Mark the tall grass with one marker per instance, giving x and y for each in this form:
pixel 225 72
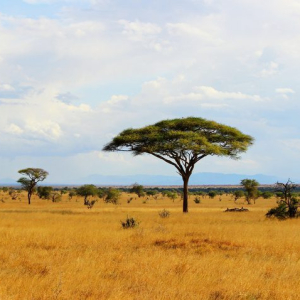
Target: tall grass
pixel 65 251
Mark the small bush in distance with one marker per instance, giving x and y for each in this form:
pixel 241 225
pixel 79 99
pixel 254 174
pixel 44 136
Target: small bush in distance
pixel 129 223
pixel 197 200
pixel 164 213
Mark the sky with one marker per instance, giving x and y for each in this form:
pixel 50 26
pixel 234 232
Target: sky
pixel 75 73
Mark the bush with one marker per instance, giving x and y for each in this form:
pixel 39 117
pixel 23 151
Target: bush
pixel 164 213
pixel 129 223
pixel 288 204
pixel 267 195
pixel 212 194
pixel 279 212
pixel 197 200
pixel 112 196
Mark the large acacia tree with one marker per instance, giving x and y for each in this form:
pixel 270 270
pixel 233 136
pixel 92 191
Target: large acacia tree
pixel 182 143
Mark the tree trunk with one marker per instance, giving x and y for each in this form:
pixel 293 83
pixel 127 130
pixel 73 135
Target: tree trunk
pixel 29 197
pixel 185 194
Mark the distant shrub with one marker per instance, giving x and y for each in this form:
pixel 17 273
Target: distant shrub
pixel 137 189
pixel 44 192
pixel 238 194
pixel 267 195
pixel 164 213
pixel 112 196
pixel 5 189
pixel 129 223
pixel 197 200
pixel 56 197
pixel 212 194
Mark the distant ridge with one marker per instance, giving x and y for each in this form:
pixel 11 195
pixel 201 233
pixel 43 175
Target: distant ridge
pixel 196 179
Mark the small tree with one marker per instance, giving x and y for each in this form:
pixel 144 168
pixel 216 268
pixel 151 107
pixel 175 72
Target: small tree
pixel 44 192
pixel 137 189
pixel 238 194
pixel 182 143
pixel 55 196
pixel 250 186
pixel 288 203
pixel 112 196
pixel 72 193
pixel 34 175
pixel 86 191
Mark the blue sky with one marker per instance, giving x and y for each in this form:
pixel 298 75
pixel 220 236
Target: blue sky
pixel 74 73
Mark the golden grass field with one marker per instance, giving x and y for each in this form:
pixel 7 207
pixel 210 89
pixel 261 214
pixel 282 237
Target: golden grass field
pixel 65 251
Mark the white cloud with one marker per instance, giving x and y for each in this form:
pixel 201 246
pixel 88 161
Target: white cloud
pixel 186 29
pixel 14 129
pixel 213 62
pixel 6 87
pixel 285 91
pixel 269 70
pixel 137 30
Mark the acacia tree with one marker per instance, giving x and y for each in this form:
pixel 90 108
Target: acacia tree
pixel 250 186
pixel 288 203
pixel 182 143
pixel 34 175
pixel 137 189
pixel 86 191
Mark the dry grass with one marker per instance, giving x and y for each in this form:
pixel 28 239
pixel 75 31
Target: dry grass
pixel 65 251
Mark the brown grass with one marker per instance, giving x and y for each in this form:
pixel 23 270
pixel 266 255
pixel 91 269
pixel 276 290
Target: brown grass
pixel 65 251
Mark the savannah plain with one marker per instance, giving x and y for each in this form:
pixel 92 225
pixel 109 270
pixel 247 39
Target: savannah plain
pixel 65 251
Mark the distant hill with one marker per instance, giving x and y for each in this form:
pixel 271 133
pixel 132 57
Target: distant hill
pixel 8 181
pixel 196 179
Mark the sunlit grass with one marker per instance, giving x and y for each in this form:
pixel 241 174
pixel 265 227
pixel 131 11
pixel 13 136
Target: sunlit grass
pixel 65 251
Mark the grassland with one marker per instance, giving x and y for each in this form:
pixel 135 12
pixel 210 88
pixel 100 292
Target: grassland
pixel 65 251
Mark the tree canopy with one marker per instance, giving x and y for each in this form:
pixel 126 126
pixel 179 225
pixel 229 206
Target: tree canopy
pixel 86 191
pixel 34 175
pixel 182 143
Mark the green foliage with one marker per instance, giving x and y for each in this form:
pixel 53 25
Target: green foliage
pixel 101 192
pixel 182 143
pixel 164 213
pixel 72 193
pixel 200 193
pixel 170 194
pixel 129 223
pixel 137 189
pixel 287 204
pixel 34 175
pixel 267 194
pixel 238 194
pixel 151 192
pixel 5 189
pixel 250 186
pixel 187 134
pixel 44 192
pixel 86 191
pixel 212 194
pixel 112 196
